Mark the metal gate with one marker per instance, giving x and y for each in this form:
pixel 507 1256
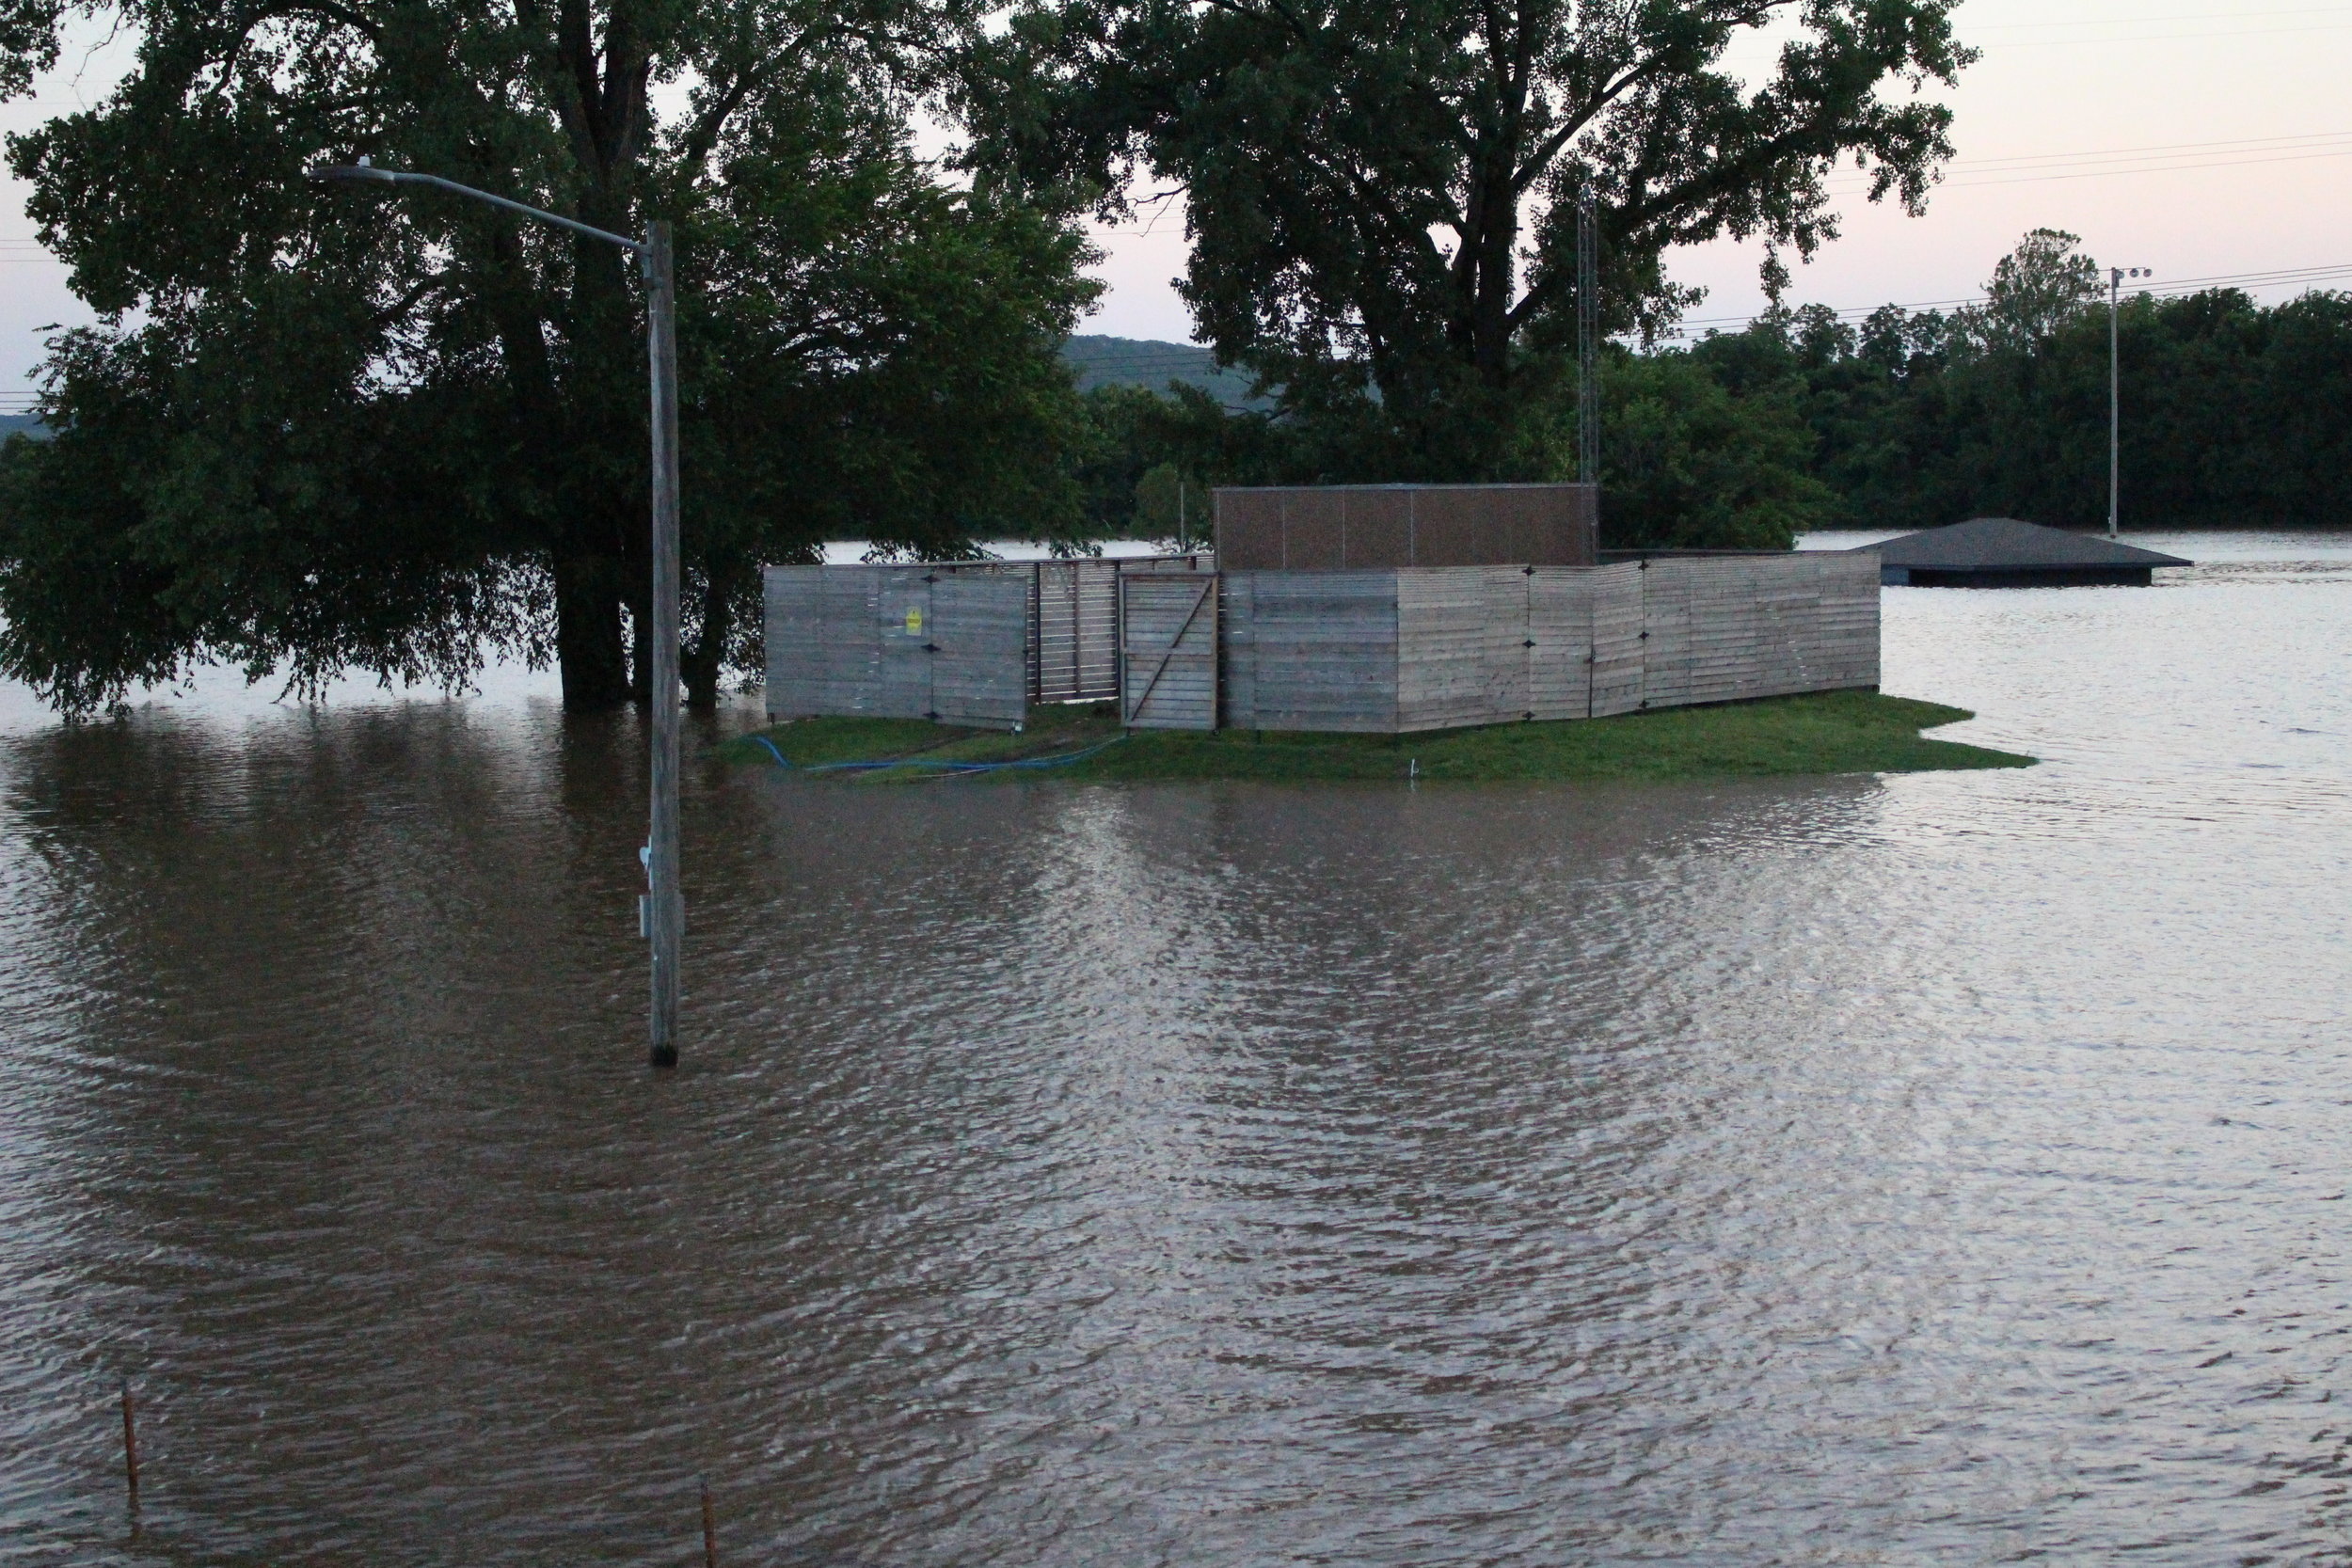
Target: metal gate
pixel 1075 609
pixel 968 642
pixel 1168 651
pixel 1073 641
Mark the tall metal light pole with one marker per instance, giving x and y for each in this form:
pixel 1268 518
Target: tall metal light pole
pixel 1587 341
pixel 2115 400
pixel 665 908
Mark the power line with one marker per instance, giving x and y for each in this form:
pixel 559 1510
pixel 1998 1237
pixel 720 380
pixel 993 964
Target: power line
pixel 1146 366
pixel 2178 16
pixel 1766 49
pixel 2018 168
pixel 1145 362
pixel 2152 150
pixel 1846 183
pixel 2170 289
pixel 2164 38
pixel 2035 162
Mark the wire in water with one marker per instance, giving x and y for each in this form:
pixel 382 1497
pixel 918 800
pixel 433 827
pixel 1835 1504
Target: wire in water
pixel 943 767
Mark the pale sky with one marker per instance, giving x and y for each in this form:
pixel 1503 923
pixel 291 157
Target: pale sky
pixel 2196 139
pixel 2204 140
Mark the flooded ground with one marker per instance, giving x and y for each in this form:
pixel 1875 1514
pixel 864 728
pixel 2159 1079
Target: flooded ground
pixel 1947 1168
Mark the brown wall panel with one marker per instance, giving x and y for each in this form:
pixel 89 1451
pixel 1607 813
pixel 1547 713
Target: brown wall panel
pixel 1518 530
pixel 1377 527
pixel 1250 523
pixel 1555 529
pixel 1449 527
pixel 1314 530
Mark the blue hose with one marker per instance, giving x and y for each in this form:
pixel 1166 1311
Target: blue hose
pixel 943 767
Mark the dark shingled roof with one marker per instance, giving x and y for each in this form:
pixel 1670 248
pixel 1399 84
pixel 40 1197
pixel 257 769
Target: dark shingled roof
pixel 1994 543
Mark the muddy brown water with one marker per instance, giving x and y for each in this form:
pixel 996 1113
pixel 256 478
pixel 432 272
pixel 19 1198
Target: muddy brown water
pixel 1931 1169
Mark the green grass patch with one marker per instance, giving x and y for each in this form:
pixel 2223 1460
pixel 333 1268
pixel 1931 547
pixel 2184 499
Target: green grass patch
pixel 1826 731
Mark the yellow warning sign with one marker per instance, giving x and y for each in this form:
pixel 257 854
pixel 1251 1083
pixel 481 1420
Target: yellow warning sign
pixel 914 620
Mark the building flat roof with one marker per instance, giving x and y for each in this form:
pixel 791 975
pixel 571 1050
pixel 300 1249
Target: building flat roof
pixel 2006 543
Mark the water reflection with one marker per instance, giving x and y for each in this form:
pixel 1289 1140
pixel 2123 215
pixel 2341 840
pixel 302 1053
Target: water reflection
pixel 1889 1170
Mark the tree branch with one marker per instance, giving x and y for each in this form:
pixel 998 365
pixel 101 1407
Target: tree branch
pixel 703 134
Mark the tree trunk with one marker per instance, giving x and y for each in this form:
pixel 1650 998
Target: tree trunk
pixel 640 637
pixel 588 631
pixel 705 662
pixel 1496 273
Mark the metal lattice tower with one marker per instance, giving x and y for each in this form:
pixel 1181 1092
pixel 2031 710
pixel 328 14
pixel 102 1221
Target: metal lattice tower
pixel 1587 343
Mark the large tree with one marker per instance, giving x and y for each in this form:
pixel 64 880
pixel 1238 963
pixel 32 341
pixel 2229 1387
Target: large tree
pixel 322 427
pixel 1381 193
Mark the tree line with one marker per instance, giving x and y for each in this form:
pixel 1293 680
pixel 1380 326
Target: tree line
pixel 2234 414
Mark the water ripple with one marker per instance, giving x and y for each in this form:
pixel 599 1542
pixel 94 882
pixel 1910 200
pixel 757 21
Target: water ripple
pixel 1944 1167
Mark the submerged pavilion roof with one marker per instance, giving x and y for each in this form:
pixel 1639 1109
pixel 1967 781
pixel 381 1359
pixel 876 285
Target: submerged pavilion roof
pixel 2005 544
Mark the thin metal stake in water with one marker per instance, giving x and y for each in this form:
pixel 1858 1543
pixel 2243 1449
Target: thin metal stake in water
pixel 711 1531
pixel 130 1446
pixel 668 912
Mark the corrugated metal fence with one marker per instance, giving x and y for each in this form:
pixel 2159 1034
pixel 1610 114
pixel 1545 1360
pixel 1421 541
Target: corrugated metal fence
pixel 966 643
pixel 1389 650
pixel 1440 648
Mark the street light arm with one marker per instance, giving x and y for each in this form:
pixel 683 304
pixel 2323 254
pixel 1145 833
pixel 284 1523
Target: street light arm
pixel 395 177
pixel 664 911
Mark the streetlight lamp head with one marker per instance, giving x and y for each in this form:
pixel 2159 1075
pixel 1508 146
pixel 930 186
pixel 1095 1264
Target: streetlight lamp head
pixel 360 171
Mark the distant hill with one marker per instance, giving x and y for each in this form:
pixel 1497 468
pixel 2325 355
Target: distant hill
pixel 1140 362
pixel 1100 362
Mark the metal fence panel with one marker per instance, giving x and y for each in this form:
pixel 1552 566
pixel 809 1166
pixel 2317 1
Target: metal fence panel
pixel 933 641
pixel 1077 631
pixel 979 648
pixel 1560 608
pixel 1168 651
pixel 1310 651
pixel 1616 639
pixel 1461 646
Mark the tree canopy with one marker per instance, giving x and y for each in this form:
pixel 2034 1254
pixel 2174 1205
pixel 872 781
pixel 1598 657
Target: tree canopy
pixel 321 428
pixel 2234 414
pixel 1380 192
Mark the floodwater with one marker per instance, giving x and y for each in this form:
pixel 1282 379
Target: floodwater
pixel 1941 1169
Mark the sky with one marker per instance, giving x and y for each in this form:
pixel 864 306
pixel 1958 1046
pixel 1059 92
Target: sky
pixel 2202 140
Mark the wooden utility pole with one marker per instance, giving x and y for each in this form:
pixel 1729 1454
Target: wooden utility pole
pixel 667 925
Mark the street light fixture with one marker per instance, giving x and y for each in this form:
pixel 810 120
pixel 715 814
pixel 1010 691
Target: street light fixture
pixel 663 909
pixel 2115 405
